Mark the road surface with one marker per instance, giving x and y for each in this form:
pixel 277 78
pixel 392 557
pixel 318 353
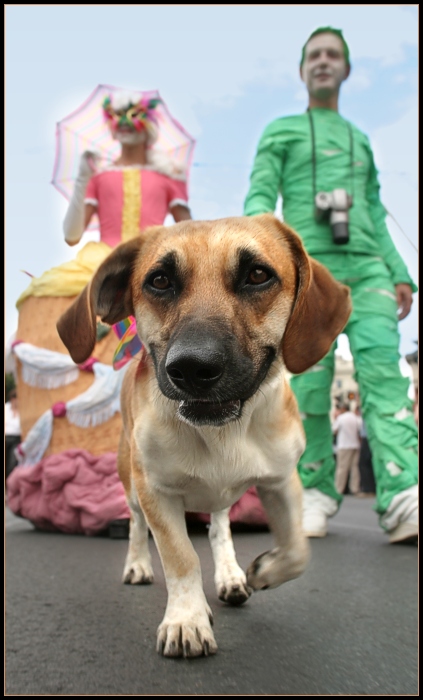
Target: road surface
pixel 348 626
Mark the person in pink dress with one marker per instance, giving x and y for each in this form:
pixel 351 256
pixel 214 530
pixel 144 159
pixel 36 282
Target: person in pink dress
pixel 138 190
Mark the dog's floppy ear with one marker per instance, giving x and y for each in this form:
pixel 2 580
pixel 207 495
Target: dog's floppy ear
pixel 320 312
pixel 108 295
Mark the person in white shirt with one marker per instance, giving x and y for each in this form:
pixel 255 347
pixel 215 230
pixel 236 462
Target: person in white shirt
pixel 347 428
pixel 12 430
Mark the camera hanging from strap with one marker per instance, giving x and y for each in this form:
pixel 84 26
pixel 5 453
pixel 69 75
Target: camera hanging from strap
pixel 332 206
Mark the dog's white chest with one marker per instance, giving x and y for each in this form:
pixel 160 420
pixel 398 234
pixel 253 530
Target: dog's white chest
pixel 212 476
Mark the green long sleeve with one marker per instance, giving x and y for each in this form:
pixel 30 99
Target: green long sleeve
pixel 266 176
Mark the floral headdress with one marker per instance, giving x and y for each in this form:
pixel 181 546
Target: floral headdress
pixel 131 110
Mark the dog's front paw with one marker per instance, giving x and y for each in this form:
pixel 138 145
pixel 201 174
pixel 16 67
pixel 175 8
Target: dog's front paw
pixel 233 588
pixel 188 638
pixel 271 569
pixel 185 640
pixel 138 572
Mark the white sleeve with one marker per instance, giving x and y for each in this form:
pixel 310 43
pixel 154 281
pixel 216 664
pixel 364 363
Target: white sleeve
pixel 73 225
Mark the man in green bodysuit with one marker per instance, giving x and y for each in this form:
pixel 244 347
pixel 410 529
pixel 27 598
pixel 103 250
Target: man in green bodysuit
pixel 344 228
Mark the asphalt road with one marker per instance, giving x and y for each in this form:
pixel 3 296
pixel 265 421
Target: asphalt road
pixel 348 626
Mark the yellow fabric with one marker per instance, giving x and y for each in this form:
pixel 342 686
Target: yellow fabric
pixel 131 203
pixel 70 278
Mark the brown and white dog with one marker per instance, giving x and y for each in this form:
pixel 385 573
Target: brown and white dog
pixel 222 308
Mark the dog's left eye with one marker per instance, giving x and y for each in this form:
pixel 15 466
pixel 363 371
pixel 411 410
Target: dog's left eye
pixel 160 282
pixel 258 276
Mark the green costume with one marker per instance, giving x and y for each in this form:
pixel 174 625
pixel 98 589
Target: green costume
pixel 370 265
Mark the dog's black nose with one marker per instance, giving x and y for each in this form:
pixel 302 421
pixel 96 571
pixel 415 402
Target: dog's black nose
pixel 194 368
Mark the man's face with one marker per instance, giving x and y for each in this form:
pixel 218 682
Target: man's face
pixel 324 66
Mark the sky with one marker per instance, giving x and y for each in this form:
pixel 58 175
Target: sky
pixel 225 72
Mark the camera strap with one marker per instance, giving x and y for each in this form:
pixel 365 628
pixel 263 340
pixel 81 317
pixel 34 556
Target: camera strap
pixel 313 154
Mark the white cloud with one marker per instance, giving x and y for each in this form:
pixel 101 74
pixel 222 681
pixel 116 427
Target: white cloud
pixel 358 80
pixel 301 95
pixel 396 144
pixel 401 78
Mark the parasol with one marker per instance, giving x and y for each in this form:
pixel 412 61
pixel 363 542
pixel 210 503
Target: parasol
pixel 85 129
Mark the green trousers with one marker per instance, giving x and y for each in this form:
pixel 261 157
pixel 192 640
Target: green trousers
pixel 373 335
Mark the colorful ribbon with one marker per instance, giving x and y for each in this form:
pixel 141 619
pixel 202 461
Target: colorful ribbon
pixel 129 343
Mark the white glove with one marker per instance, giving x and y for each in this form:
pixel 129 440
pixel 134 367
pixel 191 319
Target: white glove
pixel 74 223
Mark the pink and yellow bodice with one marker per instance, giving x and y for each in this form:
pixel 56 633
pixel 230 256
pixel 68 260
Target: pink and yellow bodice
pixel 130 199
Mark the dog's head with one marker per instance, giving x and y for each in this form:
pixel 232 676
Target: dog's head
pixel 215 302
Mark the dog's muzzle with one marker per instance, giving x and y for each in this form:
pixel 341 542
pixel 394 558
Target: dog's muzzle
pixel 204 370
pixel 208 373
pixel 196 369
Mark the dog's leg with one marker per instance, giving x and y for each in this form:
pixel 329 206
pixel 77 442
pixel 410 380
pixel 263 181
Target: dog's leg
pixel 283 505
pixel 138 568
pixel 229 578
pixel 186 627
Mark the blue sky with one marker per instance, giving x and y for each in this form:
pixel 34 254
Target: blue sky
pixel 224 71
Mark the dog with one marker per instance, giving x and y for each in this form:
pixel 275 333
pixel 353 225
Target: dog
pixel 222 308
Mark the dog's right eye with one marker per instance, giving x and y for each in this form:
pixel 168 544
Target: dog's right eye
pixel 258 276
